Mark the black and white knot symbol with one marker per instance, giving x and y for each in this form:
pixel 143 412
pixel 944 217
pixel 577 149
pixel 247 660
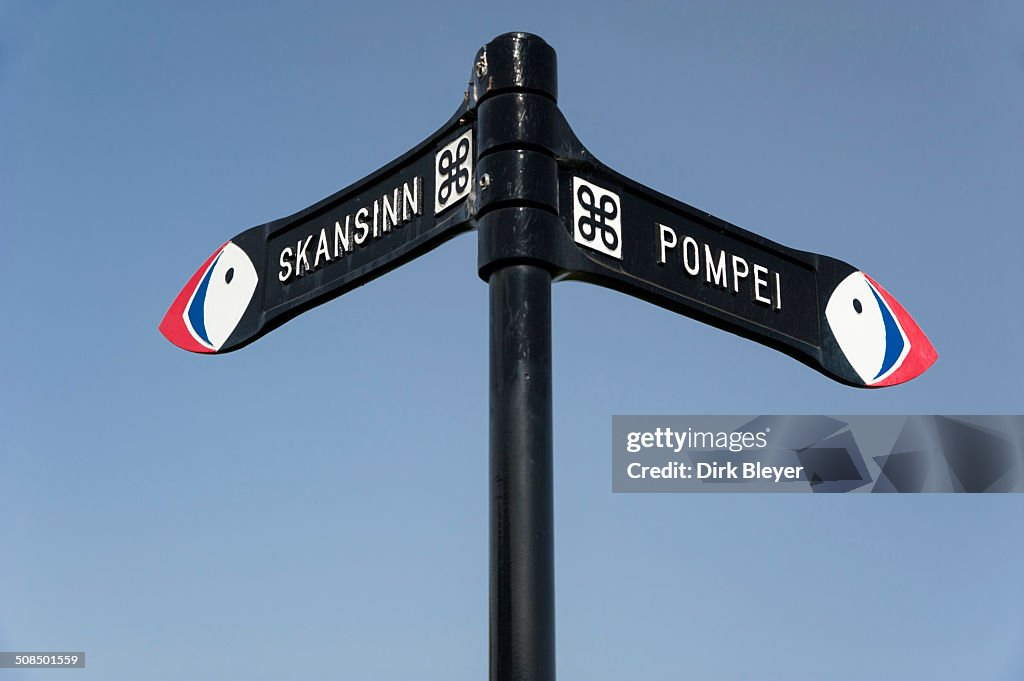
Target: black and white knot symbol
pixel 452 167
pixel 597 216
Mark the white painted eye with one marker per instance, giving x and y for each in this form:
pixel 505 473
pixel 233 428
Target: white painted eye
pixel 232 283
pixel 864 327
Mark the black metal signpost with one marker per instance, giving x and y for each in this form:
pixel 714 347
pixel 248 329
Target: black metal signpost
pixel 508 165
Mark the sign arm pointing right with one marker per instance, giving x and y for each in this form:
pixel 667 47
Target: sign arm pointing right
pixel 822 311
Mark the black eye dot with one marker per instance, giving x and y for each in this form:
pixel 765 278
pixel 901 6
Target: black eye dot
pixel 857 306
pixel 230 274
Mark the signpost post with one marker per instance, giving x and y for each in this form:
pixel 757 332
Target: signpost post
pixel 508 165
pixel 517 197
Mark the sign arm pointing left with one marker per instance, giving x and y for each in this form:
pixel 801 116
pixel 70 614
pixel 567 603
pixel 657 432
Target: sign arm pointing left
pixel 268 274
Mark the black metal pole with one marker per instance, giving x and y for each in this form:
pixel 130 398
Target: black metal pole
pixel 522 588
pixel 515 85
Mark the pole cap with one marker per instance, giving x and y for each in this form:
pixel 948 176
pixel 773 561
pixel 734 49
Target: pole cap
pixel 517 62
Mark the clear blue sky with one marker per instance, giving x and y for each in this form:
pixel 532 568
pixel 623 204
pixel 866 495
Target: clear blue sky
pixel 315 506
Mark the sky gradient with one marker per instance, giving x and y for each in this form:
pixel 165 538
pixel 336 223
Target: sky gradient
pixel 315 505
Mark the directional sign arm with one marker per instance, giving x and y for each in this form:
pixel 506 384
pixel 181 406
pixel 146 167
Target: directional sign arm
pixel 270 273
pixel 819 310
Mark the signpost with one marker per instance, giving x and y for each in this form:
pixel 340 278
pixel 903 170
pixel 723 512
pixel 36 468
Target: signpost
pixel 508 165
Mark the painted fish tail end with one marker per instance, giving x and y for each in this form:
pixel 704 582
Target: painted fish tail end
pixel 878 338
pixel 210 305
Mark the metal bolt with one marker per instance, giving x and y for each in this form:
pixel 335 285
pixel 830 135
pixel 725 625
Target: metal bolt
pixel 485 181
